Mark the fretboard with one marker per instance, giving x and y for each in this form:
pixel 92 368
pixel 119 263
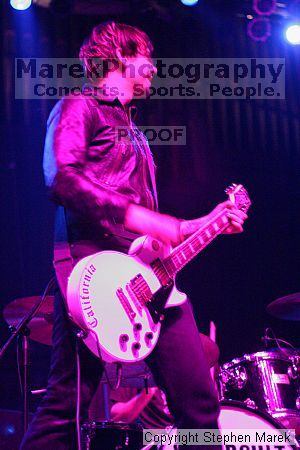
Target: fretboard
pixel 186 251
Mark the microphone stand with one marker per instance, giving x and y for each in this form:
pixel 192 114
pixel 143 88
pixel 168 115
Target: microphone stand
pixel 22 332
pixel 24 336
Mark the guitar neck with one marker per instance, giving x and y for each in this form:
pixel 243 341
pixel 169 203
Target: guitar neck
pixel 190 248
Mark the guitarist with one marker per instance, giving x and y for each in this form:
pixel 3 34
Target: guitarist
pixel 106 196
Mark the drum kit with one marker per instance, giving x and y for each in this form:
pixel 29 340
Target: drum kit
pixel 259 390
pixel 267 382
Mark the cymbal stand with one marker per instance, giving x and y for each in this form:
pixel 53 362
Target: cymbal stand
pixel 21 331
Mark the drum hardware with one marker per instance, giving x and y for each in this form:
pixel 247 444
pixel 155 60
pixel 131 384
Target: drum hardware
pixel 250 403
pixel 90 430
pixel 108 435
pixel 41 323
pixel 268 381
pixel 20 326
pixel 234 377
pixel 294 370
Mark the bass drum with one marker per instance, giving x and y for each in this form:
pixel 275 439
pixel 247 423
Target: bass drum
pixel 236 415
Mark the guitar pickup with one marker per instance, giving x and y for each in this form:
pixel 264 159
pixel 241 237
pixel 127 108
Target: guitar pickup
pixel 125 303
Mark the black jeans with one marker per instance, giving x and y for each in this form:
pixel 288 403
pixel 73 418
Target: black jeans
pixel 178 365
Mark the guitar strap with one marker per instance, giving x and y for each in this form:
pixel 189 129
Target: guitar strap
pixel 143 142
pixel 63 261
pixel 146 148
pixel 152 174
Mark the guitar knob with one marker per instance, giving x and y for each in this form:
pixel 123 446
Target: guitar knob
pixel 124 338
pixel 137 327
pixel 136 346
pixel 148 339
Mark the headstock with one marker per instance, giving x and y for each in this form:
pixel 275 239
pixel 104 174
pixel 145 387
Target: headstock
pixel 239 196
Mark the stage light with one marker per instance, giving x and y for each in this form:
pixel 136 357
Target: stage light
pixel 9 430
pixel 292 34
pixel 21 5
pixel 264 7
pixel 189 2
pixel 259 29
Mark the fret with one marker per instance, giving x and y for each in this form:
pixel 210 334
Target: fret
pixel 220 222
pixel 178 259
pixel 212 228
pixel 186 251
pixel 200 239
pixel 177 264
pixel 183 255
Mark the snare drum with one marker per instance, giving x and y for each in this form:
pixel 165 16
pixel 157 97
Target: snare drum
pixel 111 436
pixel 268 381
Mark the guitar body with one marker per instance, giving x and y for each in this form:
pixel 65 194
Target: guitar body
pixel 102 302
pixel 119 300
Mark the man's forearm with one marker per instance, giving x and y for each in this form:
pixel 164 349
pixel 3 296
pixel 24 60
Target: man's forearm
pixel 160 226
pixel 188 227
pixel 129 411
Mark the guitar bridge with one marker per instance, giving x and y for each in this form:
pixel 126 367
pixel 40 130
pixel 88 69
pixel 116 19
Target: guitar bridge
pixel 142 292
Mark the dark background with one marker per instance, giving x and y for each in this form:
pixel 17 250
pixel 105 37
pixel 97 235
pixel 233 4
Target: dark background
pixel 252 142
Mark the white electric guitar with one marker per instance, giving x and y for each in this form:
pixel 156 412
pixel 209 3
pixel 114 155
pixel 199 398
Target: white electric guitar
pixel 119 299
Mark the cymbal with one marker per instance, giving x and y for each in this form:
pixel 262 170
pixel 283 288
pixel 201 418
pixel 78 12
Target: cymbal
pixel 40 325
pixel 287 308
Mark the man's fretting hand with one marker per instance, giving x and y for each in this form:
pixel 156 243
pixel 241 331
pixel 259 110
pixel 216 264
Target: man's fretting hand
pixel 235 216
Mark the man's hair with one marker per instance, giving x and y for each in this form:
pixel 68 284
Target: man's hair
pixel 107 37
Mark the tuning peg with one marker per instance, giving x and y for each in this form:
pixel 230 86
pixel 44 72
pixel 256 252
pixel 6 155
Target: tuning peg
pixel 230 188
